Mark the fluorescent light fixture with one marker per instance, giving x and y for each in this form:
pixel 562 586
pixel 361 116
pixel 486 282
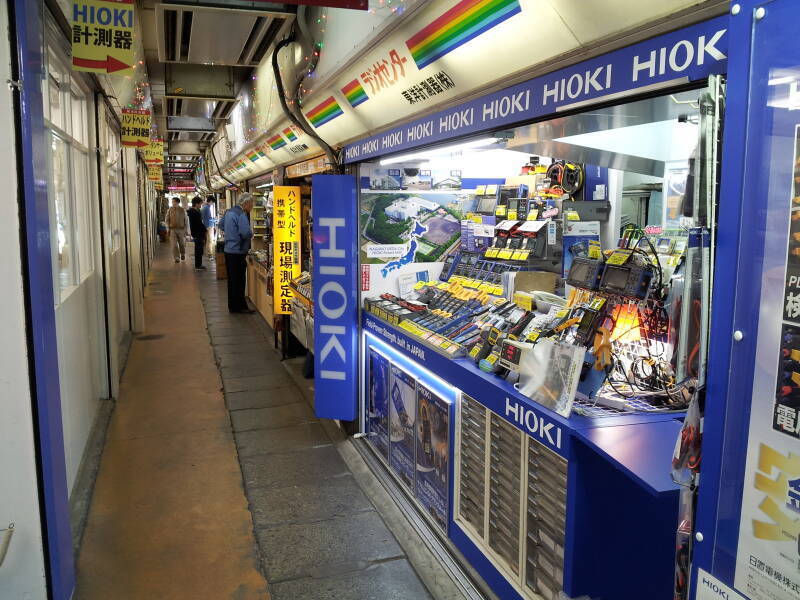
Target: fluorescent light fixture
pixel 264 185
pixel 781 80
pixel 439 151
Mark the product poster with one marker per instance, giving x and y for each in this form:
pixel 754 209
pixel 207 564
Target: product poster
pixel 768 554
pixel 286 240
pixel 402 415
pixel 378 403
pixel 433 450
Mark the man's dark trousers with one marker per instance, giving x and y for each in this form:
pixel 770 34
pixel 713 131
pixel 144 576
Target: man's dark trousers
pixel 199 245
pixel 237 276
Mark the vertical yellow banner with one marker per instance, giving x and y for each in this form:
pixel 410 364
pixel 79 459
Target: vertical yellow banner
pixel 135 127
pixel 286 238
pixel 102 36
pixel 154 153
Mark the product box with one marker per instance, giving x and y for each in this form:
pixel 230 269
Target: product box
pixel 402 416
pixel 378 403
pixel 576 232
pixel 433 450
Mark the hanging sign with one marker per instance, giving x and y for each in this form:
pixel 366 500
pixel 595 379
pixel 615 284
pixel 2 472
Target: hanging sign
pixel 286 236
pixel 336 283
pixel 154 152
pixel 135 127
pixel 353 4
pixel 307 167
pixel 689 54
pixel 154 173
pixel 102 36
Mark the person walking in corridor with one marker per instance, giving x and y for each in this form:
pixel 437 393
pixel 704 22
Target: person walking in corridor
pixel 238 234
pixel 176 223
pixel 209 214
pixel 199 232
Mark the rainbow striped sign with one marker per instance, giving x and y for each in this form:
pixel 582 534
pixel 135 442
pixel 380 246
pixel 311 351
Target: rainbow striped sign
pixel 355 93
pixel 290 134
pixel 276 141
pixel 255 155
pixel 324 112
pixel 465 21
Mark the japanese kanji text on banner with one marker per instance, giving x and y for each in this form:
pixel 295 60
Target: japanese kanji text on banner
pixel 135 127
pixel 286 236
pixel 154 173
pixel 154 152
pixel 102 36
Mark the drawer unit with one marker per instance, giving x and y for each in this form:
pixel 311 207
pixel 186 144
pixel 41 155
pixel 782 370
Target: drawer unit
pixel 512 498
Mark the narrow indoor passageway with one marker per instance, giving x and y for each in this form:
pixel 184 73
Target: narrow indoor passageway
pixel 169 517
pixel 184 461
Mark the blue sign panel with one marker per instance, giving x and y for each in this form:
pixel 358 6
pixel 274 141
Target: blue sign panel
pixel 433 453
pixel 689 54
pixel 402 416
pixel 335 296
pixel 377 422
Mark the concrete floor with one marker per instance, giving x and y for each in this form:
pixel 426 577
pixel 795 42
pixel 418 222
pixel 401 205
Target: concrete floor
pixel 184 462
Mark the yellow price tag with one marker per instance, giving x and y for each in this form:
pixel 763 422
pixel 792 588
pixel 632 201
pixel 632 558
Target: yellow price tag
pixel 620 256
pixel 505 254
pixel 492 252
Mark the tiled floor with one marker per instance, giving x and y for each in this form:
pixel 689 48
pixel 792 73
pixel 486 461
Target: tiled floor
pixel 319 536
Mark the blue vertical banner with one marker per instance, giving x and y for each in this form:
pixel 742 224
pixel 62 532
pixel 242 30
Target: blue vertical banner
pixel 335 211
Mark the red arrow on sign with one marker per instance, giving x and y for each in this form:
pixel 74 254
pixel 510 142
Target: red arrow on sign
pixel 110 64
pixel 138 143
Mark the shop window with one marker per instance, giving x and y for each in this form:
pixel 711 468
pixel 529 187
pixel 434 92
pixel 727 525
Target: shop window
pixel 61 199
pixel 82 190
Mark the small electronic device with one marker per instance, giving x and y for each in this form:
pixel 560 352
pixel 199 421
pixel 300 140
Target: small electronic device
pixel 587 325
pixel 630 279
pixel 511 354
pixel 585 273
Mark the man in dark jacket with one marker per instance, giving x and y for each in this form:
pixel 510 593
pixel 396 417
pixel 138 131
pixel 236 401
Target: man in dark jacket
pixel 198 230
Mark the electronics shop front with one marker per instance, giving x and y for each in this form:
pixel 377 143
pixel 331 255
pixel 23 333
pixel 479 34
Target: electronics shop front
pixel 535 304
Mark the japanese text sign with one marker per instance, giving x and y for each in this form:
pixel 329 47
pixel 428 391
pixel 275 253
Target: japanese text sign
pixel 154 173
pixel 154 152
pixel 102 36
pixel 135 127
pixel 286 239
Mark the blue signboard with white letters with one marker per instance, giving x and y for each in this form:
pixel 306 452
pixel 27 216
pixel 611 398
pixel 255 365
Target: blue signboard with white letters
pixel 689 54
pixel 335 296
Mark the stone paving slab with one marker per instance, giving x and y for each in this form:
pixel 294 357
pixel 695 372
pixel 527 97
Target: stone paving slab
pixel 324 499
pixel 306 436
pixel 326 548
pixel 392 580
pixel 262 398
pixel 274 417
pixel 256 382
pixel 291 468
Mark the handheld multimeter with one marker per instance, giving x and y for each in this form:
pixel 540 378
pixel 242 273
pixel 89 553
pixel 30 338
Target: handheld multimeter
pixel 585 273
pixel 511 353
pixel 630 279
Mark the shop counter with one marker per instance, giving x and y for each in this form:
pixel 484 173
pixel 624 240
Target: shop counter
pixel 539 503
pixel 258 289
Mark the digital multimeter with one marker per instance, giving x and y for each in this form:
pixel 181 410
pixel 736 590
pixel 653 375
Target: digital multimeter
pixel 585 273
pixel 632 280
pixel 511 353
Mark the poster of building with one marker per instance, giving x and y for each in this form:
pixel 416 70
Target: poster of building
pixel 433 450
pixel 402 417
pixel 378 403
pixel 768 554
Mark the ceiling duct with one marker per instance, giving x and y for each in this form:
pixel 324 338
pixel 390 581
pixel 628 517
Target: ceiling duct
pixel 191 34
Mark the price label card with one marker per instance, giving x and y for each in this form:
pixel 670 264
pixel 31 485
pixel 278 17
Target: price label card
pixel 620 256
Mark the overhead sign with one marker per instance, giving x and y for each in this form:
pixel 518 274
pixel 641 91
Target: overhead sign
pixel 102 36
pixel 307 167
pixel 135 127
pixel 353 4
pixel 336 284
pixel 154 173
pixel 286 239
pixel 154 152
pixel 689 54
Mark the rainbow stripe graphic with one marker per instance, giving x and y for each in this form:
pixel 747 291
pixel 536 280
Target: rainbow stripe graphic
pixel 324 112
pixel 355 93
pixel 290 134
pixel 256 154
pixel 276 141
pixel 465 21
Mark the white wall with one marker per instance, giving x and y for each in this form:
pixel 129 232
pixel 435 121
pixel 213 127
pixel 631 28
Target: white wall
pixel 22 574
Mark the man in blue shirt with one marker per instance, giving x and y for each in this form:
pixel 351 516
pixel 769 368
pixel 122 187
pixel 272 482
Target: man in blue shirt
pixel 238 234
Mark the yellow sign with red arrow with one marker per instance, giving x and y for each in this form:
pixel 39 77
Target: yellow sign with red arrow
pixel 154 153
pixel 135 127
pixel 102 36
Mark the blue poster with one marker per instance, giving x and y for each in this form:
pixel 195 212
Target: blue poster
pixel 402 413
pixel 433 450
pixel 378 403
